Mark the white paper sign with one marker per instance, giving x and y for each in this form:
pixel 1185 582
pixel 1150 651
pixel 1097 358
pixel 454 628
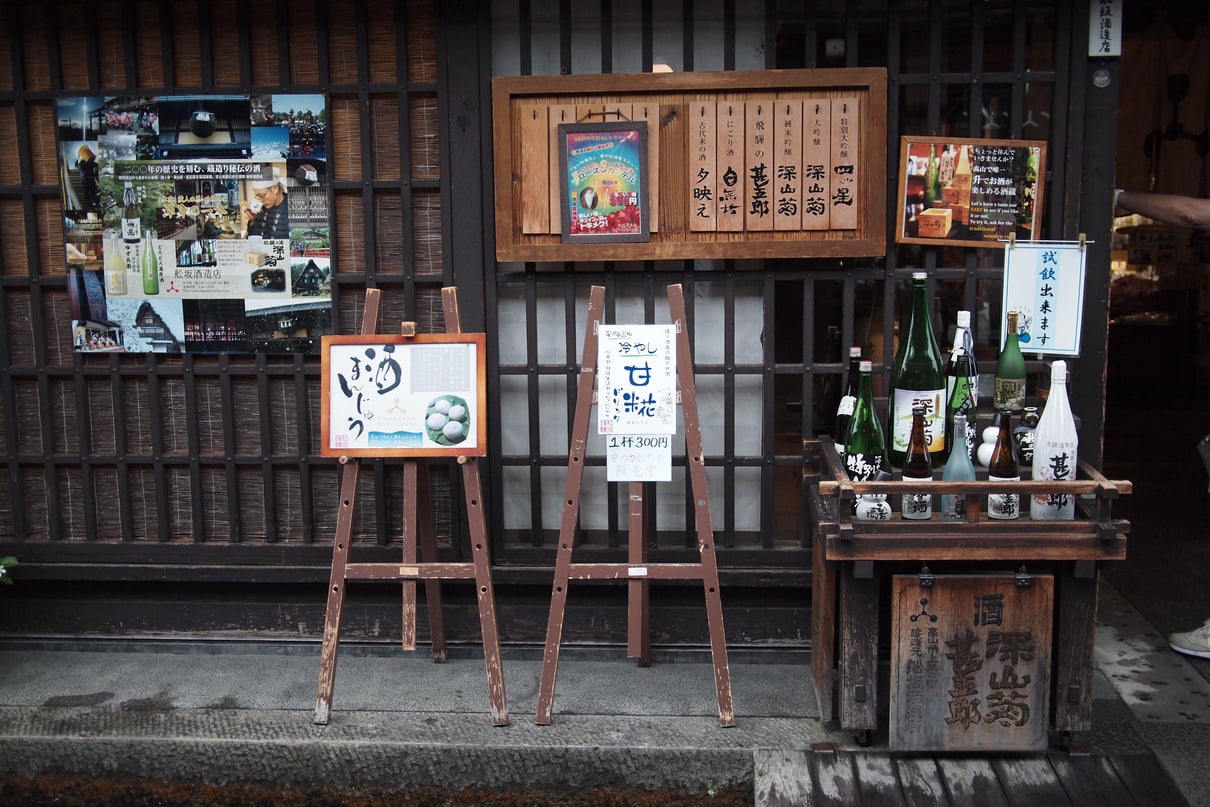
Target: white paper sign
pixel 1105 28
pixel 638 458
pixel 1044 284
pixel 636 379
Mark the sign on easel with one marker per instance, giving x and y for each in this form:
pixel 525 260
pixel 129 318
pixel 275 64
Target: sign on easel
pixel 1044 284
pixel 404 396
pixel 636 400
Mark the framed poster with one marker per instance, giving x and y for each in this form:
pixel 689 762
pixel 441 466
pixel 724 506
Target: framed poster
pixel 603 182
pixel 404 396
pixel 973 192
pixel 196 223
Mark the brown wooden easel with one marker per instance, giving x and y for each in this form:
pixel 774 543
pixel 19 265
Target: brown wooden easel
pixel 636 571
pixel 415 490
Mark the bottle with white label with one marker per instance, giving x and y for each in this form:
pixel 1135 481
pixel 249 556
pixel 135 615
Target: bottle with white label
pixel 1056 450
pixel 132 227
pixel 917 379
pixel 1003 467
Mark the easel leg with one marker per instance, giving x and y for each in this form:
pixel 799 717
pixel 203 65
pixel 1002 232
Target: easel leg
pixel 410 488
pixel 554 635
pixel 484 592
pixel 638 609
pixel 336 594
pixel 428 548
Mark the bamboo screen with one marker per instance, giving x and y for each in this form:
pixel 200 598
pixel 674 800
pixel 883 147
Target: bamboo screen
pixel 217 449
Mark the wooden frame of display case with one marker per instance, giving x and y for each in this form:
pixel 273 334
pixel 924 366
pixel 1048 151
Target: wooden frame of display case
pixel 852 560
pixel 822 194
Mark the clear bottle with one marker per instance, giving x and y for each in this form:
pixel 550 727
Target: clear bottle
pixel 115 266
pixel 1010 372
pixel 1003 467
pixel 917 379
pixel 865 447
pixel 961 386
pixel 150 265
pixel 1056 449
pixel 958 468
pixel 132 227
pixel 917 467
pixel 844 410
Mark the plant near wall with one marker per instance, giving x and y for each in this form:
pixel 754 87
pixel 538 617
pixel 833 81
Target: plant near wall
pixel 7 562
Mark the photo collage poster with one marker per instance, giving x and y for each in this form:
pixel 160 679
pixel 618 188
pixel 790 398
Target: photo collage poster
pixel 196 224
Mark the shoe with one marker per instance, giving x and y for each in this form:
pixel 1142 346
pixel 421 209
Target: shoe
pixel 1193 643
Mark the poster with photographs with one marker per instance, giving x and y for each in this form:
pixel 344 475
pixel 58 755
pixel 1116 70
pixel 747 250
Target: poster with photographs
pixel 196 223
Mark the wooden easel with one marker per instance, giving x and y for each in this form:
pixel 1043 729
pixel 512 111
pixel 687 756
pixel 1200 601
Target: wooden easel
pixel 636 571
pixel 415 491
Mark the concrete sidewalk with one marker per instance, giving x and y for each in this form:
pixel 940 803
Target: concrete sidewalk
pixel 238 713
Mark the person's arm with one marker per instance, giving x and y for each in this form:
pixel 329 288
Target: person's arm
pixel 1167 208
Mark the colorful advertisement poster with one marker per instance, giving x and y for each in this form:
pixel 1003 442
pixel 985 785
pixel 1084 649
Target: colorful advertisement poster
pixel 196 224
pixel 604 189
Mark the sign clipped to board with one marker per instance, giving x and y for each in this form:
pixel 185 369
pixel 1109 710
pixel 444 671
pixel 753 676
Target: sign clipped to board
pixel 397 396
pixel 636 400
pixel 1044 284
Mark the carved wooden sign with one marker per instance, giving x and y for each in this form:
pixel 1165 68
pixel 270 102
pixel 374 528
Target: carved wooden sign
pixel 761 164
pixel 970 663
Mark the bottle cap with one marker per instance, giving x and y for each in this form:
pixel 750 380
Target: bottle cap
pixel 855 352
pixel 866 366
pixel 1058 371
pixel 964 319
pixel 920 275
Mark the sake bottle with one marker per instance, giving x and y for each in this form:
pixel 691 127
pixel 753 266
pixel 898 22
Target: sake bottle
pixel 958 468
pixel 865 447
pixel 917 467
pixel 1056 447
pixel 115 266
pixel 917 379
pixel 961 387
pixel 1003 467
pixel 932 179
pixel 131 225
pixel 1010 372
pixel 150 265
pixel 844 410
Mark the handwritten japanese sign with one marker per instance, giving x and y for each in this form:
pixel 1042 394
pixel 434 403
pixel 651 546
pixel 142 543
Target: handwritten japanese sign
pixel 970 192
pixel 398 396
pixel 636 381
pixel 1044 284
pixel 970 663
pixel 638 458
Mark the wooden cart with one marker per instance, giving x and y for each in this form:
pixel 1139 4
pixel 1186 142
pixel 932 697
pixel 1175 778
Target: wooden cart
pixel 852 564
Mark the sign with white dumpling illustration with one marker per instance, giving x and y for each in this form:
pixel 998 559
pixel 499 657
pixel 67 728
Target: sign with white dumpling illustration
pixel 404 396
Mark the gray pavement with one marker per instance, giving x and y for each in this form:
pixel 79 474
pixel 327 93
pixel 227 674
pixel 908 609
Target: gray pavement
pixel 224 712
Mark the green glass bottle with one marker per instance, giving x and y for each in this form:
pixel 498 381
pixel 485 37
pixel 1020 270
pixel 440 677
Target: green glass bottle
pixel 150 265
pixel 1009 392
pixel 865 446
pixel 961 388
pixel 917 379
pixel 932 179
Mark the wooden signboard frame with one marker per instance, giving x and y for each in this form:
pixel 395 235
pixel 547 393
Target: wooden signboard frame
pixel 417 511
pixel 683 111
pixel 637 572
pixel 979 205
pixel 369 387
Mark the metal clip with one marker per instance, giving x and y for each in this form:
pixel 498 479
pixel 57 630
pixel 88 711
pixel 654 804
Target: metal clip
pixel 1024 578
pixel 926 577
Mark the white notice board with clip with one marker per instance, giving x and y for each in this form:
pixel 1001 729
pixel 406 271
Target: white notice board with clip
pixel 1044 284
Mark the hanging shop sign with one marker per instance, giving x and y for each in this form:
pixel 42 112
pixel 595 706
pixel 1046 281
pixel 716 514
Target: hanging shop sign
pixel 1044 284
pixel 969 192
pixel 404 396
pixel 196 224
